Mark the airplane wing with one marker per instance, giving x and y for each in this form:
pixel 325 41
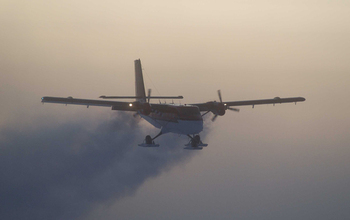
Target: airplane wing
pixel 123 106
pixel 208 106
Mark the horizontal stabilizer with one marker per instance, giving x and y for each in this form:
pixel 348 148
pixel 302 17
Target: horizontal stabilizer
pixel 137 97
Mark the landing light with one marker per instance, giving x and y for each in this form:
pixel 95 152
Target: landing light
pixel 130 104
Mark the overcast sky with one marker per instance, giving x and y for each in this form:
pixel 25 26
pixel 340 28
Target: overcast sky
pixel 271 162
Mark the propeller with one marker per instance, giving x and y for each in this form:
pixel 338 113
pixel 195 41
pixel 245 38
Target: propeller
pixel 233 109
pixel 214 118
pixel 223 107
pixel 149 95
pixel 219 93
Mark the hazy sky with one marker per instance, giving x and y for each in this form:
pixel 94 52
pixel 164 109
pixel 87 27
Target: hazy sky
pixel 283 162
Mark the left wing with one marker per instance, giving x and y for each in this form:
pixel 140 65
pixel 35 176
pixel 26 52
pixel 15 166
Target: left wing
pixel 123 106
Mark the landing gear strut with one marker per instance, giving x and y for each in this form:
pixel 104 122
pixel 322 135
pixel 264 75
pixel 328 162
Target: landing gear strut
pixel 149 142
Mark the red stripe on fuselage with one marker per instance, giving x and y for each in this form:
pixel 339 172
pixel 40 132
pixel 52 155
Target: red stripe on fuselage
pixel 174 113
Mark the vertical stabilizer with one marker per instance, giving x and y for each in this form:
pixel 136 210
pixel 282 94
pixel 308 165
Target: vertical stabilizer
pixel 139 85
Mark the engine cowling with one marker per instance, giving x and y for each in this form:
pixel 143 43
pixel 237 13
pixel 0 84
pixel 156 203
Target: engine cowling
pixel 146 109
pixel 218 108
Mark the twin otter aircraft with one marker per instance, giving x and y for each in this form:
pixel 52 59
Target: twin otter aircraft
pixel 179 119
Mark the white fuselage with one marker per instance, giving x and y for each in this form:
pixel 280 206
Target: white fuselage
pixel 180 120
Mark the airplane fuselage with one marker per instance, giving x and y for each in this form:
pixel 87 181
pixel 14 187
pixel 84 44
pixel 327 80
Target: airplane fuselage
pixel 176 119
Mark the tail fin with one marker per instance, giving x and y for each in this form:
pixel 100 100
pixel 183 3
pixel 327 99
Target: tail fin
pixel 139 85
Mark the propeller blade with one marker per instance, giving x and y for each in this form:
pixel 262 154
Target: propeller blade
pixel 149 95
pixel 219 93
pixel 214 118
pixel 233 109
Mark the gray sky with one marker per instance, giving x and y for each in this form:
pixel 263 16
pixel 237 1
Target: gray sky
pixel 288 161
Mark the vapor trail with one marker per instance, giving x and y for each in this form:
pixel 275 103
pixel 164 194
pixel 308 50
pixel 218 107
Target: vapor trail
pixel 62 171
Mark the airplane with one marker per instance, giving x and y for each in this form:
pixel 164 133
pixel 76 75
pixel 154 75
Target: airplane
pixel 184 119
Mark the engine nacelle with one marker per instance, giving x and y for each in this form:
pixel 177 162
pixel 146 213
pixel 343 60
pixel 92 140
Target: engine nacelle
pixel 221 109
pixel 218 108
pixel 146 109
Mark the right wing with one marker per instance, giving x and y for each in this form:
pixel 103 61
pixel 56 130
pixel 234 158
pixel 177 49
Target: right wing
pixel 123 106
pixel 208 106
pixel 276 100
